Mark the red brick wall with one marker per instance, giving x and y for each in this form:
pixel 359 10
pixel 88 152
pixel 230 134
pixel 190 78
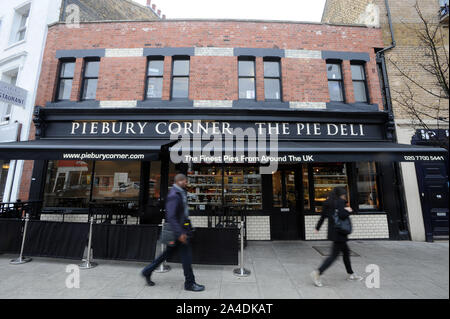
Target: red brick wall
pixel 212 77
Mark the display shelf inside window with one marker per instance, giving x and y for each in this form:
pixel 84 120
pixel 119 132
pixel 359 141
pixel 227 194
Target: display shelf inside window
pixel 205 189
pixel 242 189
pixel 326 178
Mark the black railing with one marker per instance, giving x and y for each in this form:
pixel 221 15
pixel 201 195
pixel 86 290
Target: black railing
pixel 19 209
pixel 112 213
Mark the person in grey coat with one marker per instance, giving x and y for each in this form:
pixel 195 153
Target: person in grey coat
pixel 336 200
pixel 177 216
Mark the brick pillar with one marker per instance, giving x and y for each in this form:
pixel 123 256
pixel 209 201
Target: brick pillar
pixel 77 79
pixel 373 84
pixel 167 77
pixel 348 84
pixel 259 72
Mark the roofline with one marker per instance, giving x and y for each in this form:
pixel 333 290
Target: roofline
pixel 225 20
pixel 323 11
pixel 143 7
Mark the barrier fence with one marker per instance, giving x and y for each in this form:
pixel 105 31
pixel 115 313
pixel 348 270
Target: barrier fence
pixel 68 240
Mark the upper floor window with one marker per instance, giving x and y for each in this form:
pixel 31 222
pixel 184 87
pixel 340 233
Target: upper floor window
pixel 272 80
pixel 20 24
pixel 246 72
pixel 155 71
pixel 180 78
pixel 335 83
pixel 90 79
pixel 66 71
pixel 359 83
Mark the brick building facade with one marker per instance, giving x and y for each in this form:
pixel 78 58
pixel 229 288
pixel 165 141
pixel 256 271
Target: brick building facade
pixel 133 83
pixel 408 54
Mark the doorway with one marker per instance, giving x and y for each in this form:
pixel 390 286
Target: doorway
pixel 286 220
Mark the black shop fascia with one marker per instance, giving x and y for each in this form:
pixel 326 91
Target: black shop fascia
pixel 100 155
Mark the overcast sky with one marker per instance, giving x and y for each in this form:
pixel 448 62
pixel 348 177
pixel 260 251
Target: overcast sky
pixel 293 10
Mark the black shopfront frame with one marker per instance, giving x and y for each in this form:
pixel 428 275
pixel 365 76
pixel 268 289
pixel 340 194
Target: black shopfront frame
pixel 389 189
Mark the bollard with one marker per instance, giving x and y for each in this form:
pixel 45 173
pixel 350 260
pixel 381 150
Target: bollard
pixel 241 271
pixel 86 263
pixel 21 259
pixel 162 267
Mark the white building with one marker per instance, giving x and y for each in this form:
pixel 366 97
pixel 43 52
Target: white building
pixel 23 32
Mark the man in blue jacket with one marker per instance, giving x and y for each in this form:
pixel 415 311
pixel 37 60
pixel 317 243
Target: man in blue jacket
pixel 177 215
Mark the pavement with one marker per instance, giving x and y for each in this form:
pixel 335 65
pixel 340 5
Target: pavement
pixel 279 270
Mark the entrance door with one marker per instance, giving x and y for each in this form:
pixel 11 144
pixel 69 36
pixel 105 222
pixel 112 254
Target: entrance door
pixel 433 188
pixel 285 220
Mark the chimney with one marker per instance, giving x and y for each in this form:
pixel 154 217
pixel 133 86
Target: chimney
pixel 164 16
pixel 159 12
pixel 149 2
pixel 154 7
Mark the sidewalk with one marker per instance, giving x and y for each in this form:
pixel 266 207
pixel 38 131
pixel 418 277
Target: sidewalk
pixel 278 270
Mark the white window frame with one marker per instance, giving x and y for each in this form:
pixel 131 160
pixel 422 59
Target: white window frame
pixel 17 27
pixel 6 113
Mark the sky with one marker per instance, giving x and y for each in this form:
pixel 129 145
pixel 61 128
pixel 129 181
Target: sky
pixel 292 10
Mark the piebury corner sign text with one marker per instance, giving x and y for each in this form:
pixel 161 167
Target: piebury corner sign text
pixel 164 129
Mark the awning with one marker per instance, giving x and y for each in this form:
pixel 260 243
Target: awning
pixel 300 151
pixel 83 149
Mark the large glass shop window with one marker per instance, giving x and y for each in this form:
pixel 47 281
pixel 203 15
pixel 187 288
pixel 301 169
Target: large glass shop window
pixel 68 184
pixel 235 188
pixel 327 176
pixel 242 188
pixel 367 185
pixel 116 181
pixel 4 167
pixel 205 188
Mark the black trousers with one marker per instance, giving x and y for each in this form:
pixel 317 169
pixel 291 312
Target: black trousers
pixel 338 246
pixel 186 258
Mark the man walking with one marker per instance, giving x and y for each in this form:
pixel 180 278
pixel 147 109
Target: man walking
pixel 177 215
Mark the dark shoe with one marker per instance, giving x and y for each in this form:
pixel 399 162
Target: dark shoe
pixel 148 280
pixel 194 287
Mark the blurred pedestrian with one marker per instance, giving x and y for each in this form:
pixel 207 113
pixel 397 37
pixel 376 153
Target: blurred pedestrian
pixel 176 234
pixel 339 227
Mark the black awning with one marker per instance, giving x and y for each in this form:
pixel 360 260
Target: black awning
pixel 320 151
pixel 83 149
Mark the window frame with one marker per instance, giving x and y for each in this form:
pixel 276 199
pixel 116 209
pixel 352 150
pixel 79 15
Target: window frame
pixel 84 78
pixel 16 28
pixel 147 76
pixel 58 84
pixel 172 77
pixel 339 63
pixel 252 59
pixel 366 88
pixel 278 60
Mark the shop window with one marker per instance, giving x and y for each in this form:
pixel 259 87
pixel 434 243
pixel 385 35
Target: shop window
pixel 326 177
pixel 277 189
pixel 90 79
pixel 233 188
pixel 205 188
pixel 66 71
pixel 359 83
pixel 155 72
pixel 180 78
pixel 20 24
pixel 68 184
pixel 155 181
pixel 4 167
pixel 367 185
pixel 335 82
pixel 116 181
pixel 246 70
pixel 272 80
pixel 242 189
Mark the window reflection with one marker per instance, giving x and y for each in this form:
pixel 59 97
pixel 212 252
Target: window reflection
pixel 367 185
pixel 68 184
pixel 326 177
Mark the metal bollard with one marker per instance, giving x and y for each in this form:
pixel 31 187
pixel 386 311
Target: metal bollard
pixel 21 259
pixel 162 267
pixel 241 271
pixel 86 263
